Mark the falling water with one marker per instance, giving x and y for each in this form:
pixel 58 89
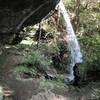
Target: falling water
pixel 73 45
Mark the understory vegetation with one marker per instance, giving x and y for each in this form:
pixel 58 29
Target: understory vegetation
pixel 52 50
pixel 46 55
pixel 39 56
pixel 41 52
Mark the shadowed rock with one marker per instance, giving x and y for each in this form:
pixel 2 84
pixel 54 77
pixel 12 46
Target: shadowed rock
pixel 15 14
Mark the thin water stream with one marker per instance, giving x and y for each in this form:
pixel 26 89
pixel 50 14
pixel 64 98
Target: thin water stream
pixel 73 45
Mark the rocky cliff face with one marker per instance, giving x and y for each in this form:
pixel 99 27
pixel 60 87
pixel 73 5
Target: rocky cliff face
pixel 15 14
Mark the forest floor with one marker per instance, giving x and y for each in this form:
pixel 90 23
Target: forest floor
pixel 31 90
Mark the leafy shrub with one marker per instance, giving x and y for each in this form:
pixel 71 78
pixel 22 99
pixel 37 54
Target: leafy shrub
pixel 49 49
pixel 62 45
pixel 59 61
pixel 91 51
pixel 36 58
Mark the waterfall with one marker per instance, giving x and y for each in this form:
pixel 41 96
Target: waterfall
pixel 73 45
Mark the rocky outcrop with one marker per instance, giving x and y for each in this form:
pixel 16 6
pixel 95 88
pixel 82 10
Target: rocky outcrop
pixel 47 95
pixel 15 14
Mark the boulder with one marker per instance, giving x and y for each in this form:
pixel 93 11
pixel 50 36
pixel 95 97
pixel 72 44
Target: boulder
pixel 16 14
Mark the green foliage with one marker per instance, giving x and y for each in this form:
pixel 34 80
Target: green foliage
pixel 25 69
pixel 49 49
pixel 20 70
pixel 60 62
pixel 31 64
pixel 89 33
pixel 53 84
pixel 50 84
pixel 89 22
pixel 36 58
pixel 70 4
pixel 91 51
pixel 62 45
